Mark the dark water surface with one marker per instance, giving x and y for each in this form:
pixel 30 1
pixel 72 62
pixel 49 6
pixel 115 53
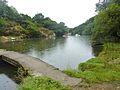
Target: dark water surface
pixel 7 77
pixel 61 52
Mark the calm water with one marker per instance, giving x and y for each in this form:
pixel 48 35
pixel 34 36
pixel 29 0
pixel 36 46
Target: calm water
pixel 62 52
pixel 6 83
pixel 7 77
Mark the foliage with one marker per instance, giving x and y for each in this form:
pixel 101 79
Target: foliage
pixel 106 28
pixel 85 28
pixel 38 18
pixel 8 27
pixel 41 83
pixel 107 24
pixel 9 12
pixel 105 67
pixel 14 24
pixel 58 28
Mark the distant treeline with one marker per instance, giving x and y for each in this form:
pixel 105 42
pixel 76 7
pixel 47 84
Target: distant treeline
pixel 85 28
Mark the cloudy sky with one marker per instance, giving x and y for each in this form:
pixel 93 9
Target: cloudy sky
pixel 72 12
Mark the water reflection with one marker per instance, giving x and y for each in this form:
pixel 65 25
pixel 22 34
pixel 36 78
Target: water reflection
pixel 7 76
pixel 6 83
pixel 62 52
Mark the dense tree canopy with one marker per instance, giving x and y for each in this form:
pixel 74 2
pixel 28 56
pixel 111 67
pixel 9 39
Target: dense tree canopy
pixel 107 24
pixel 8 12
pixel 85 28
pixel 58 28
pixel 39 26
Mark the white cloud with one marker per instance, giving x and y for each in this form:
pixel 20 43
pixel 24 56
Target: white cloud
pixel 72 12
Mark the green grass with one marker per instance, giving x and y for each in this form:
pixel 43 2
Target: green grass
pixel 41 83
pixel 105 67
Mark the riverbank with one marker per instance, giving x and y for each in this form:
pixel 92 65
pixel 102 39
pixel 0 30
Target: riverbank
pixel 1 50
pixel 10 38
pixel 105 68
pixel 4 39
pixel 102 72
pixel 38 68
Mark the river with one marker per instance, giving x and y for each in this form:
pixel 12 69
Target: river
pixel 62 53
pixel 7 77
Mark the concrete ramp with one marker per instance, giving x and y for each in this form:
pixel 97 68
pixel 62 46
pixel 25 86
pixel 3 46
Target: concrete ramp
pixel 37 67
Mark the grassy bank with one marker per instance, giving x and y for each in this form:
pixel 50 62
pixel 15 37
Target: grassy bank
pixel 41 83
pixel 104 68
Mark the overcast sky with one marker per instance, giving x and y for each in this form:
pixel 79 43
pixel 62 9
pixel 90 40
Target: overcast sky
pixel 72 12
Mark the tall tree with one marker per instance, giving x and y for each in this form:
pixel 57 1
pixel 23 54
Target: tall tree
pixel 58 28
pixel 38 18
pixel 107 24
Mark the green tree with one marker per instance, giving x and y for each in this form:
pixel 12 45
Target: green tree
pixel 59 28
pixel 85 28
pixel 8 12
pixel 107 24
pixel 38 18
